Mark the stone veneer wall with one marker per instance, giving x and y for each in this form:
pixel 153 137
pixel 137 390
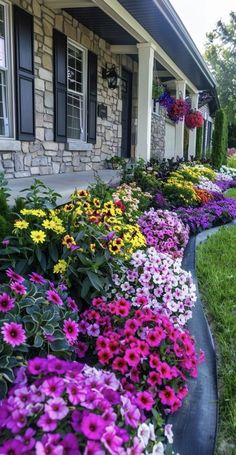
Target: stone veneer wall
pixel 44 156
pixel 158 136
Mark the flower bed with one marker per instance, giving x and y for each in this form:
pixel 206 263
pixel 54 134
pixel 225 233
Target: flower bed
pixel 107 289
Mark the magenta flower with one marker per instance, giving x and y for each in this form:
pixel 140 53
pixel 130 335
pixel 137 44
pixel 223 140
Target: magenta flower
pixel 36 278
pixel 93 447
pixel 167 396
pixel 132 357
pixel 56 408
pixel 53 387
pixel 13 333
pixel 14 276
pixel 12 447
pixel 18 288
pixel 93 426
pixel 72 304
pixel 5 242
pixel 27 440
pixel 111 441
pixel 46 423
pixel 71 330
pixel 6 302
pixel 71 445
pixel 37 365
pixel 145 400
pixel 53 297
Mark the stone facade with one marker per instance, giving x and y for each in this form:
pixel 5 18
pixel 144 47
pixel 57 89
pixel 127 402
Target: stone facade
pixel 44 156
pixel 158 136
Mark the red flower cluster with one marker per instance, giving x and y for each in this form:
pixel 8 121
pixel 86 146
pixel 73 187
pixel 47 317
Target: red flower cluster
pixel 194 119
pixel 178 110
pixel 203 195
pixel 150 356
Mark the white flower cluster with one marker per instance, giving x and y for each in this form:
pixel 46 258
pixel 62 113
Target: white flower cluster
pixel 208 185
pixel 230 171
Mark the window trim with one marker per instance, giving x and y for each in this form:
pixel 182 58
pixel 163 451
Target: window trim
pixel 84 94
pixel 9 69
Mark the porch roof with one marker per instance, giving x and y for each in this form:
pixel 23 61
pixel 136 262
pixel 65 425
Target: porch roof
pixel 160 20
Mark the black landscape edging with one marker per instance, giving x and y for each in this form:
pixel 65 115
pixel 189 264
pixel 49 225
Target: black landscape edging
pixel 195 424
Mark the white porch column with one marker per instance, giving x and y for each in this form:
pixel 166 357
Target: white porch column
pixel 179 128
pixel 193 133
pixel 145 80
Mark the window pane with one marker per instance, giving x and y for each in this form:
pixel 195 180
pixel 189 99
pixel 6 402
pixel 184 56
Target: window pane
pixel 75 68
pixel 3 106
pixel 75 128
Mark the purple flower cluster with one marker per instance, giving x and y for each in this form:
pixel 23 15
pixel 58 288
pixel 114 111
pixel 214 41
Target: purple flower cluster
pixel 164 231
pixel 213 213
pixel 73 409
pixel 225 184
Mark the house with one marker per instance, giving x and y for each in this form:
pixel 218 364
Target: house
pixel 76 82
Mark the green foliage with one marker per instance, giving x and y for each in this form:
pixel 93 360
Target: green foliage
pixel 40 196
pixel 145 176
pixel 220 54
pixel 5 227
pixel 231 193
pixel 231 161
pixel 217 279
pixel 199 144
pixel 42 321
pixel 219 140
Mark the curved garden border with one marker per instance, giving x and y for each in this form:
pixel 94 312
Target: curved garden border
pixel 195 425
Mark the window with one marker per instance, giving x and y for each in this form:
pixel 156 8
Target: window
pixel 6 118
pixel 76 99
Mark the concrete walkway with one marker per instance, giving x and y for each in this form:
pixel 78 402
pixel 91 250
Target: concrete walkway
pixel 63 184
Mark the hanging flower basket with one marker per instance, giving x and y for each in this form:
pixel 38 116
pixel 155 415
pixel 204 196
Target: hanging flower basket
pixel 166 100
pixel 157 89
pixel 178 110
pixel 194 119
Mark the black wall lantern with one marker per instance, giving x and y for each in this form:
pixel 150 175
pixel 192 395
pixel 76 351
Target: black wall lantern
pixel 111 75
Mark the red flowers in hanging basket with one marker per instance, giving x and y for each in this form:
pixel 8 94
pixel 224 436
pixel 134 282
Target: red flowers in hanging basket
pixel 194 119
pixel 178 110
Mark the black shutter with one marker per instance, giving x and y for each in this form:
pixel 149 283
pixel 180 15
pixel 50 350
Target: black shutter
pixel 60 86
pixel 92 98
pixel 24 67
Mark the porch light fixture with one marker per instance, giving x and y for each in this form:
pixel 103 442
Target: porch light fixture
pixel 111 75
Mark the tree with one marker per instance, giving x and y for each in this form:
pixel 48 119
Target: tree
pixel 221 55
pixel 219 139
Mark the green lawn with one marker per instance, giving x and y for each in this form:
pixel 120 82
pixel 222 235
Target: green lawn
pixel 216 267
pixel 231 193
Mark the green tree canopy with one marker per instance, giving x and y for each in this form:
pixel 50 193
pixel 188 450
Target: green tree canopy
pixel 221 55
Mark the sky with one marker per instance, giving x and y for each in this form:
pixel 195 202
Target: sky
pixel 201 16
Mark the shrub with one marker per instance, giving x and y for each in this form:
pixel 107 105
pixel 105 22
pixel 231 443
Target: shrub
pixel 219 140
pixel 164 231
pixel 231 161
pixel 199 144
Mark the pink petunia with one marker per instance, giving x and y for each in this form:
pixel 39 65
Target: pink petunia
pixel 145 400
pixel 167 396
pixel 6 302
pixel 53 297
pixel 46 423
pixel 93 426
pixel 111 441
pixel 13 333
pixel 132 357
pixel 53 387
pixel 56 408
pixel 119 364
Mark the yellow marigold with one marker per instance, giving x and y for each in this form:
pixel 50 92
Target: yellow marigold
pixel 21 224
pixel 82 193
pixel 49 224
pixel 38 236
pixel 60 267
pixel 97 203
pixel 78 211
